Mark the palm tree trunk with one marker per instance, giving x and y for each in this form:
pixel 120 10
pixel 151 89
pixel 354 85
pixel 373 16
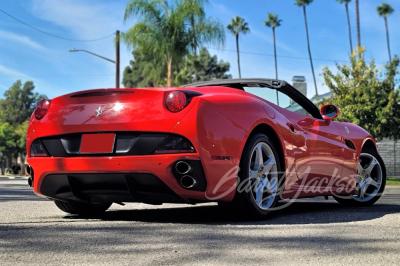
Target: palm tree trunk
pixel 238 55
pixel 358 28
pixel 169 74
pixel 194 48
pixel 387 38
pixel 276 64
pixel 309 50
pixel 348 24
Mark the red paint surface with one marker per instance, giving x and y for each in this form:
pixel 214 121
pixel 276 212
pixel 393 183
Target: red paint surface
pixel 218 123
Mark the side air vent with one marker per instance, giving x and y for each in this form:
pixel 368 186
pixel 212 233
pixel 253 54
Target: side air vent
pixel 100 93
pixel 350 144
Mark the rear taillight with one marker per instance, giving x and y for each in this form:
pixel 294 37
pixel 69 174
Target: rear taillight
pixel 37 149
pixel 42 108
pixel 176 101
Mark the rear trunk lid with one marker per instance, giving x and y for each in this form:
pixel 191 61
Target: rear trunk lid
pixel 107 110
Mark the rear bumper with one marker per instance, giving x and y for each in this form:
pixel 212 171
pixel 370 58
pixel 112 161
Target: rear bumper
pixel 53 175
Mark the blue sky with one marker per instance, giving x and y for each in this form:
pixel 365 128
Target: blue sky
pixel 30 55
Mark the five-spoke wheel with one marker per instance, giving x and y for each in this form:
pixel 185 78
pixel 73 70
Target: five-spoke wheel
pixel 370 181
pixel 263 175
pixel 260 174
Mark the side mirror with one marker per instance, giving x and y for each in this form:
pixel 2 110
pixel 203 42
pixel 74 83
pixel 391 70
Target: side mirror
pixel 329 112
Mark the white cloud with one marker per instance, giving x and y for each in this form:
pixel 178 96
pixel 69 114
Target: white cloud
pixel 85 20
pixel 20 39
pixel 10 72
pixel 223 10
pixel 268 38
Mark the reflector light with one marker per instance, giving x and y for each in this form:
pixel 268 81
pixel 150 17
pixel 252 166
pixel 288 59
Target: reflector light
pixel 175 101
pixel 175 144
pixel 42 108
pixel 37 149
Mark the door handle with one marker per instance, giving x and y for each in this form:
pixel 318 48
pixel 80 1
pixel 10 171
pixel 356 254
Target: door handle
pixel 295 129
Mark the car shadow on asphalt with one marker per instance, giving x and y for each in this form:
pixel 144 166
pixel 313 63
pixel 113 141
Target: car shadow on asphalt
pixel 300 212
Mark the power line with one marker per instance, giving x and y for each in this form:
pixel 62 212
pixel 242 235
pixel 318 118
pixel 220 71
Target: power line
pixel 52 35
pixel 282 56
pixel 61 76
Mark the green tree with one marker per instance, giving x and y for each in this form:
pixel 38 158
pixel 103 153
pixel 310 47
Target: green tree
pixel 15 110
pixel 9 140
pixel 143 71
pixel 19 102
pixel 303 4
pixel 384 11
pixel 366 96
pixel 346 4
pixel 237 26
pixel 162 30
pixel 273 22
pixel 195 21
pixel 203 67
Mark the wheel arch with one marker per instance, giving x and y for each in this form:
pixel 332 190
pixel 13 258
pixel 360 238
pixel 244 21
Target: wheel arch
pixel 270 132
pixel 369 144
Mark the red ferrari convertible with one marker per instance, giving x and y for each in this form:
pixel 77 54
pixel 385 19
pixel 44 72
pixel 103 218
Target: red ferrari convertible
pixel 246 143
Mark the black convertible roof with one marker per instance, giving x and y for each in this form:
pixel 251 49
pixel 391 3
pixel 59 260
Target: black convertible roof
pixel 270 83
pixel 279 85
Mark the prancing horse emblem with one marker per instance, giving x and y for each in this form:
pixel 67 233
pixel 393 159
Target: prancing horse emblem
pixel 347 129
pixel 98 111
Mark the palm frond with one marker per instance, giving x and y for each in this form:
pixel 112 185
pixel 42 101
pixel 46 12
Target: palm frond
pixel 344 1
pixel 238 25
pixel 273 21
pixel 385 10
pixel 303 2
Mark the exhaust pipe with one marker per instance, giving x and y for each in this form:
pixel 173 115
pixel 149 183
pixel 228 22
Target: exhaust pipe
pixel 188 182
pixel 28 170
pixel 183 167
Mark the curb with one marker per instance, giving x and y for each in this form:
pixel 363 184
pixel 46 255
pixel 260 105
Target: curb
pixel 13 177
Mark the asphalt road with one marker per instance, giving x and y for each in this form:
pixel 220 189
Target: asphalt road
pixel 309 232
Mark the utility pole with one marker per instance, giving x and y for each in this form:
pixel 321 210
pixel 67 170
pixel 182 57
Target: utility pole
pixel 117 60
pixel 358 28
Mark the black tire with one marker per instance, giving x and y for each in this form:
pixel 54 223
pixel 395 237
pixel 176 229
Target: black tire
pixel 82 208
pixel 350 201
pixel 244 201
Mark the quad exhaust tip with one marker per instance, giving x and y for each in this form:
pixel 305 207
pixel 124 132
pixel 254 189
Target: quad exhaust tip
pixel 28 170
pixel 183 167
pixel 188 182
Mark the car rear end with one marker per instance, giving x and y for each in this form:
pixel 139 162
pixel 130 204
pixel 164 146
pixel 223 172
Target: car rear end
pixel 116 145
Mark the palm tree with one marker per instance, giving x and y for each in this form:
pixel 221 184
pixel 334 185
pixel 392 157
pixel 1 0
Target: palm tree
pixel 385 10
pixel 273 22
pixel 162 32
pixel 304 3
pixel 346 4
pixel 194 20
pixel 358 28
pixel 238 25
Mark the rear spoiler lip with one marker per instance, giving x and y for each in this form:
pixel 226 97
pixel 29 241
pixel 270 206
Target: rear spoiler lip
pixel 100 93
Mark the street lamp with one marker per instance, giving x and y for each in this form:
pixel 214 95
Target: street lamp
pixel 116 62
pixel 82 50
